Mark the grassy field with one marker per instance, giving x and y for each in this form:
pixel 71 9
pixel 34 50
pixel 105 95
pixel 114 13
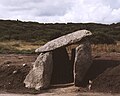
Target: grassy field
pixel 22 47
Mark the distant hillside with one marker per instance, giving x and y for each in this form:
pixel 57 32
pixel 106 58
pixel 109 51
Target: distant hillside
pixel 33 31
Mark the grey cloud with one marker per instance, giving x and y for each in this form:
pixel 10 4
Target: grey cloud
pixel 52 11
pixel 115 4
pixel 54 8
pixel 40 8
pixel 18 2
pixel 103 11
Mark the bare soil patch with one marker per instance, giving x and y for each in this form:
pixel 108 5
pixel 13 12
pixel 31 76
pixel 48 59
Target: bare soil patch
pixel 104 72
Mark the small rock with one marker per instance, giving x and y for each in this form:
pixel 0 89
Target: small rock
pixel 14 72
pixel 8 65
pixel 7 62
pixel 90 84
pixel 98 56
pixel 20 57
pixel 24 65
pixel 9 83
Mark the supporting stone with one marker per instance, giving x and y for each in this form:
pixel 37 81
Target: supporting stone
pixel 40 76
pixel 62 68
pixel 83 60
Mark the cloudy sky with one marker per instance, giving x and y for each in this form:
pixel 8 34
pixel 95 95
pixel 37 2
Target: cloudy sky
pixel 99 11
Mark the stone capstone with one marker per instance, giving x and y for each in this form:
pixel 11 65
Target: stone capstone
pixel 64 41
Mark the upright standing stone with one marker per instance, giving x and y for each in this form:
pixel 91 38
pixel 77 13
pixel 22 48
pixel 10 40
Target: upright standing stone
pixel 39 77
pixel 83 60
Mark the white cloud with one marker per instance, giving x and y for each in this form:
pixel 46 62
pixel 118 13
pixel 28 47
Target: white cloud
pixel 102 11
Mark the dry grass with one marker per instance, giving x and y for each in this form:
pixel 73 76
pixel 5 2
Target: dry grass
pixel 105 48
pixel 17 46
pixel 21 46
pixel 99 48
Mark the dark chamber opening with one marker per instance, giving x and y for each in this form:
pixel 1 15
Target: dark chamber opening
pixel 62 67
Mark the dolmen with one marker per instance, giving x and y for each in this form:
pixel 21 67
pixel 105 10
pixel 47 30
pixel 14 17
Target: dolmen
pixel 53 59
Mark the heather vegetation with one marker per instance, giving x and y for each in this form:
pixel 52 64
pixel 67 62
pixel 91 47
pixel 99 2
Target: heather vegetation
pixel 33 31
pixel 36 34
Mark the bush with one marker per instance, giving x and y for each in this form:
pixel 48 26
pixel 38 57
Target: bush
pixel 102 38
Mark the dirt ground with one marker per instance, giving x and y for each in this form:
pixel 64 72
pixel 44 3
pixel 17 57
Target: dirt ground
pixel 104 70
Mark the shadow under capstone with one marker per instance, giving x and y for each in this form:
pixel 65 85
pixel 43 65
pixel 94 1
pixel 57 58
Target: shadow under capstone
pixel 62 67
